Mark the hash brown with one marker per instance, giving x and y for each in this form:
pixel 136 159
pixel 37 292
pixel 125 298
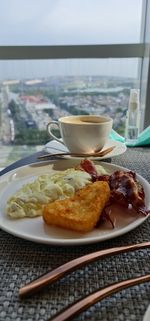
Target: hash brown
pixel 80 212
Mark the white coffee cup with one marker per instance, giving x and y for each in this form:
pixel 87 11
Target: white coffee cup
pixel 84 133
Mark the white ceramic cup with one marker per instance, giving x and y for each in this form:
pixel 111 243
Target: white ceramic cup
pixel 84 133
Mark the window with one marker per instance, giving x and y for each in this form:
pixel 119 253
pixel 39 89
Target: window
pixel 67 57
pixel 70 22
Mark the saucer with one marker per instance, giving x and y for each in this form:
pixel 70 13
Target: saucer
pixel 53 147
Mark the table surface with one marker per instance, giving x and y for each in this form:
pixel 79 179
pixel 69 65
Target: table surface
pixel 22 261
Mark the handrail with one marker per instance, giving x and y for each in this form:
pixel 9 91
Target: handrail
pixel 136 50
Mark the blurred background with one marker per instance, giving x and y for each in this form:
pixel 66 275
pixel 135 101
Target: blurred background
pixel 62 57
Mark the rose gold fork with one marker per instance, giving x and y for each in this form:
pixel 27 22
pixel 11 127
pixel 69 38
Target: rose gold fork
pixel 64 269
pixel 95 154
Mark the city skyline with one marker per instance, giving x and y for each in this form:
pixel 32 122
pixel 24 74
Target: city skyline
pixel 125 68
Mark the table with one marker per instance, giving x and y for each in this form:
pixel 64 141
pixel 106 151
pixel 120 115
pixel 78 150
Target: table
pixel 22 261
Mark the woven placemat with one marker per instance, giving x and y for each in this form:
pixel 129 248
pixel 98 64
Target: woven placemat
pixel 22 261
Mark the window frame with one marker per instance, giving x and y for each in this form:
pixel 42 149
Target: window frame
pixel 136 50
pixel 144 66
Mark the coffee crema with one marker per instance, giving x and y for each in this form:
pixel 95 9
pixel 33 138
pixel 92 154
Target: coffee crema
pixel 85 120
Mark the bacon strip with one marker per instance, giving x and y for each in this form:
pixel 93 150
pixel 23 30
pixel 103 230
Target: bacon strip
pixel 125 189
pixel 90 168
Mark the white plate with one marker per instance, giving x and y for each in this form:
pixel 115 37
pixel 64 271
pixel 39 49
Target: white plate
pixel 35 229
pixel 53 147
pixel 147 314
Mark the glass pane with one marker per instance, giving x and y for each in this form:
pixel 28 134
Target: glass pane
pixel 34 92
pixel 66 22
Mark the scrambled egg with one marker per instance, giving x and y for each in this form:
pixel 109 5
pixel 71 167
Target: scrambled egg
pixel 30 199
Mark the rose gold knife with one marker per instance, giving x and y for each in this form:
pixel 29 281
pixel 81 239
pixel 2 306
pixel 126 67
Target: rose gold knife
pixel 70 312
pixel 64 269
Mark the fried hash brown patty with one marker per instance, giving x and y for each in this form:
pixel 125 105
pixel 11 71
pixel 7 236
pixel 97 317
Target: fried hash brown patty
pixel 80 212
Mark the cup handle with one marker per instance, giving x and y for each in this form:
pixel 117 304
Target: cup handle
pixel 49 125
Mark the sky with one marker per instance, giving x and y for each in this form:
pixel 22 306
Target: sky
pixel 66 22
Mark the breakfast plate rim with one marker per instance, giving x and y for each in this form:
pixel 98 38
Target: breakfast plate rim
pixel 147 314
pixel 81 239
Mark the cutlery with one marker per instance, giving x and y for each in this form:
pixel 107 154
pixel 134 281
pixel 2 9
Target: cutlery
pixel 95 154
pixel 60 271
pixel 71 311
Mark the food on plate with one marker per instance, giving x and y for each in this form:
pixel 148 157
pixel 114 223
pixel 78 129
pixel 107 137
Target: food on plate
pixel 80 212
pixel 125 189
pixel 75 198
pixel 29 200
